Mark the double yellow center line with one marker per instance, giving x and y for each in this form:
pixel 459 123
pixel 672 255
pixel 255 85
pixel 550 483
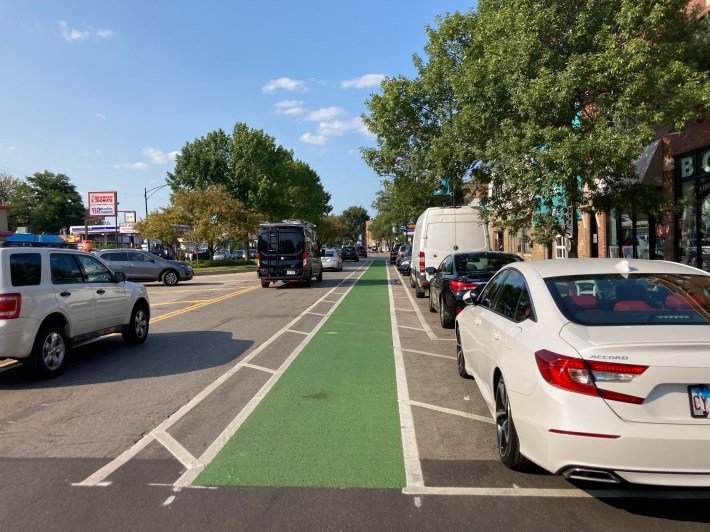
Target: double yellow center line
pixel 201 304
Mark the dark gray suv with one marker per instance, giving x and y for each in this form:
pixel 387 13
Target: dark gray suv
pixel 144 266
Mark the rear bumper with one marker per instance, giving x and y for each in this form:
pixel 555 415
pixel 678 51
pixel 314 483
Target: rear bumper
pixel 271 276
pixel 643 453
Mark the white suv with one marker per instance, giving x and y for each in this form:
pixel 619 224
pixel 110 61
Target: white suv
pixel 53 298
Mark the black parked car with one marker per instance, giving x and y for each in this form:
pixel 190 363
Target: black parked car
pixel 457 274
pixel 350 253
pixel 404 261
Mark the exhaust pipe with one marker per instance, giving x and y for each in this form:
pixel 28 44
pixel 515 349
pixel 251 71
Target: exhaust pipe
pixel 595 475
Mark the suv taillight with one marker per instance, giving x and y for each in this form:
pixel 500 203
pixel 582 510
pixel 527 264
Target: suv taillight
pixel 580 376
pixel 305 260
pixel 258 261
pixel 10 305
pixel 422 263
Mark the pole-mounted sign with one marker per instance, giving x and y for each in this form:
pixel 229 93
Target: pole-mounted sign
pixel 102 204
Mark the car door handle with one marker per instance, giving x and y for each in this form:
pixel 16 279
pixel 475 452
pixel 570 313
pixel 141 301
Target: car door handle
pixel 65 294
pixel 495 335
pixel 101 291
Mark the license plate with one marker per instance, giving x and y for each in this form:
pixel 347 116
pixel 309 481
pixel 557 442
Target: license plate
pixel 699 400
pixel 290 272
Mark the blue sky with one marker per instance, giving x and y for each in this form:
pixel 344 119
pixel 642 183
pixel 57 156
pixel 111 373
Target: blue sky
pixel 107 92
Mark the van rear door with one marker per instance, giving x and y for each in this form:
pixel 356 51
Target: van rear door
pixel 281 251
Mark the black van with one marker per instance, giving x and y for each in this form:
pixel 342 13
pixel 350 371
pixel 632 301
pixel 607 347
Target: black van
pixel 288 251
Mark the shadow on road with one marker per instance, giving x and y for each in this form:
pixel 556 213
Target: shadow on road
pixel 110 359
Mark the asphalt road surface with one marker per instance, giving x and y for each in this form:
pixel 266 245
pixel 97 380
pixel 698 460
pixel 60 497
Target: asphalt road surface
pixel 116 441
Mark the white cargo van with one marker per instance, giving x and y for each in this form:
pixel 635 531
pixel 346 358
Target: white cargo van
pixel 441 231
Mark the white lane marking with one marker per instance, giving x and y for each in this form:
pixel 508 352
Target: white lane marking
pixel 260 368
pixel 410 328
pixel 412 464
pixel 425 325
pixel 328 301
pixel 211 452
pixel 177 450
pixel 405 309
pixel 297 332
pixel 418 502
pixel 453 412
pixel 169 500
pixel 450 357
pixel 573 493
pixel 316 314
pixel 99 476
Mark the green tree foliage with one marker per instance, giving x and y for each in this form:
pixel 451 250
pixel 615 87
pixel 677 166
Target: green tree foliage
pixel 207 215
pixel 254 171
pixel 8 187
pixel 353 220
pixel 330 231
pixel 548 101
pixel 47 202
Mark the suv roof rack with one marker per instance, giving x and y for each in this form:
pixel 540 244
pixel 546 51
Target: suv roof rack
pixel 10 244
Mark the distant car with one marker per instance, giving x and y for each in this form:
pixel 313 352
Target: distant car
pixel 405 263
pixel 252 253
pixel 361 251
pixel 611 386
pixel 457 274
pixel 331 260
pixel 54 299
pixel 404 249
pixel 393 252
pixel 350 253
pixel 221 254
pixel 143 266
pixel 237 254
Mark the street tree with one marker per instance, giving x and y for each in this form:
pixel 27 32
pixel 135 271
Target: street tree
pixel 330 230
pixel 561 96
pixel 254 171
pixel 47 202
pixel 353 220
pixel 8 188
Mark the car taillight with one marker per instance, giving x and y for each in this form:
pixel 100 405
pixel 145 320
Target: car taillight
pixel 305 260
pixel 258 261
pixel 580 376
pixel 461 285
pixel 422 264
pixel 10 305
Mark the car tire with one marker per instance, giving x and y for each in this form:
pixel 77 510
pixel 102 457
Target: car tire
pixel 419 292
pixel 446 322
pixel 265 284
pixel 319 277
pixel 411 280
pixel 307 280
pixel 460 362
pixel 431 303
pixel 170 278
pixel 136 332
pixel 48 353
pixel 506 435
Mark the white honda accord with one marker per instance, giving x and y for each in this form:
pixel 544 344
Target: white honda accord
pixel 598 369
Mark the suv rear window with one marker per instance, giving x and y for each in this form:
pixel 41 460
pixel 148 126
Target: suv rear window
pixel 25 269
pixel 120 256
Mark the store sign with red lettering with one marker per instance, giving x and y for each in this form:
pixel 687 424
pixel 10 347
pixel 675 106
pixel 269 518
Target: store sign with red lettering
pixel 103 204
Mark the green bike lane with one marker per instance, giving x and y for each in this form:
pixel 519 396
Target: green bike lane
pixel 332 419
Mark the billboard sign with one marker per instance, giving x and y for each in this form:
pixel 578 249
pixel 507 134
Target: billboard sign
pixel 102 204
pixel 130 217
pixel 126 228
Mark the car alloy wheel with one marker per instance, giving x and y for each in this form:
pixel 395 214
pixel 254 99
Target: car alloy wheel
pixel 170 278
pixel 460 362
pixel 506 435
pixel 446 322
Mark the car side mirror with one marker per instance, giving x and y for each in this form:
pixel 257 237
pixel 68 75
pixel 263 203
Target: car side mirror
pixel 119 277
pixel 470 297
pixel 431 270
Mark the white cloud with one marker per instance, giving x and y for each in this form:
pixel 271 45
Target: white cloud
pixel 325 113
pixel 309 138
pixel 334 128
pixel 73 34
pixel 100 116
pixel 286 84
pixel 157 156
pixel 368 80
pixel 132 166
pixel 289 107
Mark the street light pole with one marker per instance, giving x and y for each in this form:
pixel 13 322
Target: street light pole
pixel 152 191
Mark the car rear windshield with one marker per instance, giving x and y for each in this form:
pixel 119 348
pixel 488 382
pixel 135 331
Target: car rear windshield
pixel 283 242
pixel 641 299
pixel 482 262
pixel 329 253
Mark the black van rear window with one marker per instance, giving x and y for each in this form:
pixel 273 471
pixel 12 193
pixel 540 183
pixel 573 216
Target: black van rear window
pixel 281 242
